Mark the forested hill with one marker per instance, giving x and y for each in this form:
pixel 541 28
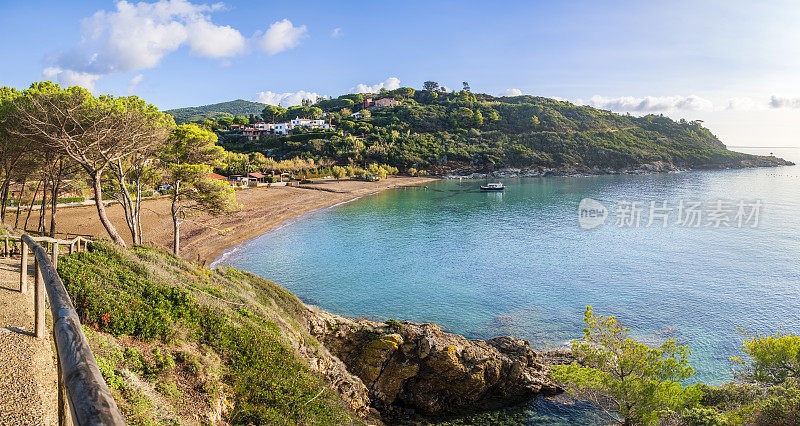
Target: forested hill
pixel 463 131
pixel 238 107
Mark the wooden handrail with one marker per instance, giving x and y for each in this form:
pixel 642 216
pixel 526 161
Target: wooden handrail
pixel 90 402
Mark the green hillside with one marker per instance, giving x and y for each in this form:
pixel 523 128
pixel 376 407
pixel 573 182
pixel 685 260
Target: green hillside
pixel 463 132
pixel 224 109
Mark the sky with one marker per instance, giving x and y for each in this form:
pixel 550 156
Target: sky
pixel 734 64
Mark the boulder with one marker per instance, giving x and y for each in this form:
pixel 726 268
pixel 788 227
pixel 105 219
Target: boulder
pixel 417 368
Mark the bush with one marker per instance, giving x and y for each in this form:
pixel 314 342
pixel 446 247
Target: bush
pixel 394 325
pixel 269 384
pixel 700 416
pixel 769 359
pixel 339 172
pixel 112 294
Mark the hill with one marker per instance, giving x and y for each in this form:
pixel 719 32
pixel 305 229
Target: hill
pixel 463 131
pixel 238 107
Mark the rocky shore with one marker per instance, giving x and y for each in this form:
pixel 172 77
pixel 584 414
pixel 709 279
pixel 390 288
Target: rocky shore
pixel 579 170
pixel 399 370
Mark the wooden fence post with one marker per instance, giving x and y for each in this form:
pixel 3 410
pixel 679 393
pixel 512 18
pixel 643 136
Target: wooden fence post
pixel 23 268
pixel 8 248
pixel 64 414
pixel 54 256
pixel 38 304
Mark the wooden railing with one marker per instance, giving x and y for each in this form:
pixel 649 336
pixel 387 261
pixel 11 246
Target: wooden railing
pixel 83 397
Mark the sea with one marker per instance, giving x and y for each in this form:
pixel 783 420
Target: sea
pixel 693 255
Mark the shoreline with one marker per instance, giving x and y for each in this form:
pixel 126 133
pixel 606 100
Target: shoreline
pixel 204 238
pixel 226 252
pixel 214 256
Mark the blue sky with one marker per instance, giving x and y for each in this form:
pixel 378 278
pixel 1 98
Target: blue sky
pixel 733 64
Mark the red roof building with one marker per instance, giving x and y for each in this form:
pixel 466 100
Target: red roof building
pixel 215 176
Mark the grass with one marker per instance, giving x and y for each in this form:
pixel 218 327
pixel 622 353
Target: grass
pixel 175 340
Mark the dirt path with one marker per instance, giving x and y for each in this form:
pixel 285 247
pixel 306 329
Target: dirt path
pixel 27 366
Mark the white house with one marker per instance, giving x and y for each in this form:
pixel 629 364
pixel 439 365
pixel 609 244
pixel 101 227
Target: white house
pixel 254 134
pixel 258 129
pixel 263 126
pixel 307 122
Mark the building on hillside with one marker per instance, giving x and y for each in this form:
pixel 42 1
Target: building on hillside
pixel 252 134
pixel 263 126
pixel 265 129
pixel 381 103
pixel 308 122
pixel 387 102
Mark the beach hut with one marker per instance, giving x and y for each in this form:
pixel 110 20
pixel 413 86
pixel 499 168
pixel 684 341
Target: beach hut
pixel 257 177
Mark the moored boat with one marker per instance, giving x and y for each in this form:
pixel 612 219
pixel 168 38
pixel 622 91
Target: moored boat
pixel 493 187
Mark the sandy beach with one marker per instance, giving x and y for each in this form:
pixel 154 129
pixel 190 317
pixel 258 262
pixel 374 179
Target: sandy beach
pixel 261 209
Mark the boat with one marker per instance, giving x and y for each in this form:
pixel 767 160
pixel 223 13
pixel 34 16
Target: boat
pixel 493 187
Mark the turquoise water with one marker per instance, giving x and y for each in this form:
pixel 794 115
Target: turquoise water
pixel 486 264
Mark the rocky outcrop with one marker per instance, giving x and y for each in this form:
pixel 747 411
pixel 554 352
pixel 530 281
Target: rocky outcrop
pixel 411 368
pixel 348 386
pixel 576 170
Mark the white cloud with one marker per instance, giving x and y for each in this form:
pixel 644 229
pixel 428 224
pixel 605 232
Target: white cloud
pixel 71 78
pixel 390 83
pixel 784 102
pixel 282 35
pixel 742 104
pixel 135 82
pixel 650 103
pixel 512 92
pixel 214 41
pixel 137 36
pixel 336 33
pixel 285 99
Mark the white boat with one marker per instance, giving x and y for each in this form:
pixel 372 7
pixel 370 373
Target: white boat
pixel 493 187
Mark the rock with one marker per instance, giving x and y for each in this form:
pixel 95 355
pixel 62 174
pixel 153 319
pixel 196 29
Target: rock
pixel 421 368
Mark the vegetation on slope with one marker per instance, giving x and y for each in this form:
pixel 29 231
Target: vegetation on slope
pixel 636 384
pixel 179 343
pixel 238 107
pixel 462 130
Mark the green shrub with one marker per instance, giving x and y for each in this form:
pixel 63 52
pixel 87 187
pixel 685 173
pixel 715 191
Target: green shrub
pixel 113 294
pixel 134 359
pixel 108 370
pixel 270 385
pixel 701 416
pixel 394 325
pixel 168 389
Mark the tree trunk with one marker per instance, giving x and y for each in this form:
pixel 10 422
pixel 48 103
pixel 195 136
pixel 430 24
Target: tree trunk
pixel 101 209
pixel 3 199
pixel 30 207
pixel 56 188
pixel 42 209
pixel 125 201
pixel 19 202
pixel 176 224
pixel 138 211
